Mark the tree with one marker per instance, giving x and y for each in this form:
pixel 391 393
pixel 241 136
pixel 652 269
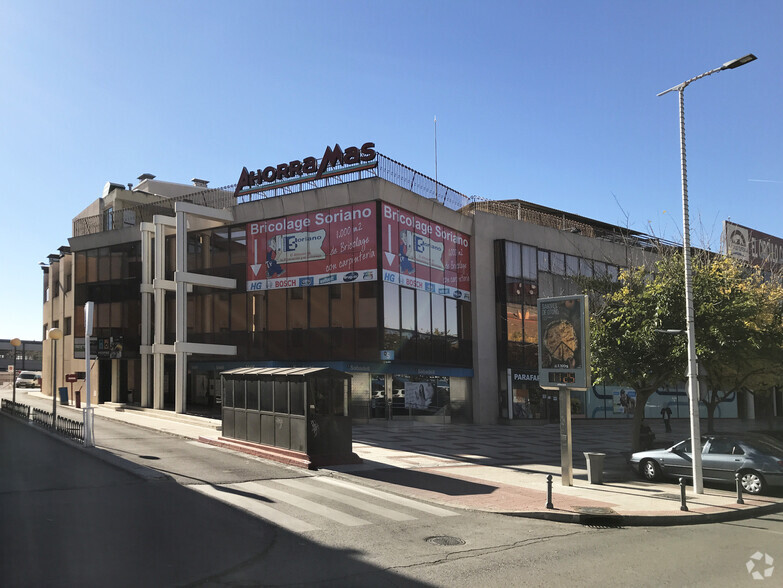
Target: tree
pixel 626 348
pixel 738 323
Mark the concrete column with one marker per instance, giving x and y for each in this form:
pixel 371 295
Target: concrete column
pixel 115 381
pixel 147 231
pixel 160 315
pixel 181 358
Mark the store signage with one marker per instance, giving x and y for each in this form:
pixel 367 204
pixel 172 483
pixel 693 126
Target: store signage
pixel 70 378
pixel 308 168
pixel 753 247
pixel 422 254
pixel 563 343
pixel 332 246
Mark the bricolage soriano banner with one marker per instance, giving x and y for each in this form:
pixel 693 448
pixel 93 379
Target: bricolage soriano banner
pixel 424 255
pixel 332 246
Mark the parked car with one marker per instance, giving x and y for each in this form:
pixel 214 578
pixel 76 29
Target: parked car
pixel 758 460
pixel 27 380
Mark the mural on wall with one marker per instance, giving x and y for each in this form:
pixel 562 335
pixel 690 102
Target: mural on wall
pixel 331 246
pixel 424 255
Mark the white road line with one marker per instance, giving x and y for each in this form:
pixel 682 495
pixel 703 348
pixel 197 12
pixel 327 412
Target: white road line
pixel 302 503
pixel 255 507
pixel 354 502
pixel 434 510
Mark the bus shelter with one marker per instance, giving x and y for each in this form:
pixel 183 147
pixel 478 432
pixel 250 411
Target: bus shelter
pixel 299 409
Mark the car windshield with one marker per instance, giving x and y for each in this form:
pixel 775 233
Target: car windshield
pixel 27 376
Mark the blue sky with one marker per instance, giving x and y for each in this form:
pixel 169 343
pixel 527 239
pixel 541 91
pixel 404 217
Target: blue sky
pixel 551 102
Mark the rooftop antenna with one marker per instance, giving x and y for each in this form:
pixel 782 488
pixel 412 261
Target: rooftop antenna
pixel 436 158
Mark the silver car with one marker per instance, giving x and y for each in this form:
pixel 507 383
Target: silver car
pixel 757 459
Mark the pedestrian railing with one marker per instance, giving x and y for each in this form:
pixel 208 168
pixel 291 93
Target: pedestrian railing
pixel 16 409
pixel 65 426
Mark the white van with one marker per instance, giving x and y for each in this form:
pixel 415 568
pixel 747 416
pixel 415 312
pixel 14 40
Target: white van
pixel 27 380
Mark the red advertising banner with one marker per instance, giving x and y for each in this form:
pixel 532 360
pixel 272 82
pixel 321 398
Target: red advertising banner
pixel 421 254
pixel 330 246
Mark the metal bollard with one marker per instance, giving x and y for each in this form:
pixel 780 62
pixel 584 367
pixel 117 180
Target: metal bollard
pixel 683 506
pixel 739 489
pixel 549 492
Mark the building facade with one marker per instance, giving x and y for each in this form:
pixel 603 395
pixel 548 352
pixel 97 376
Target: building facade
pixel 352 262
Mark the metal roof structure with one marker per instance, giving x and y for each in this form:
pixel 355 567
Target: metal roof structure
pixel 287 372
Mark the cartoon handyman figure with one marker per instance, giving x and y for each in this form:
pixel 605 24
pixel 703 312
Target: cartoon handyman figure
pixel 406 267
pixel 273 268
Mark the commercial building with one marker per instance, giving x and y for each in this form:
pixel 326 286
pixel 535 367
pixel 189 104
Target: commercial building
pixel 351 261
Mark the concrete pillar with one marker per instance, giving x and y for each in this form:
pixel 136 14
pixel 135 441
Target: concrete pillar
pixel 115 381
pixel 160 315
pixel 147 231
pixel 181 358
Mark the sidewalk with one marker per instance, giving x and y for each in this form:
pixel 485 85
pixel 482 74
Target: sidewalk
pixel 497 468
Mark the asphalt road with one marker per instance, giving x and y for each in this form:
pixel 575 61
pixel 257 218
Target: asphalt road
pixel 68 518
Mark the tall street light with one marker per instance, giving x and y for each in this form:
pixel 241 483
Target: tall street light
pixel 54 334
pixel 693 369
pixel 15 343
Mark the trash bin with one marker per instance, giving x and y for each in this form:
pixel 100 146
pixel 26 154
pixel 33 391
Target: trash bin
pixel 595 467
pixel 63 396
pixel 78 399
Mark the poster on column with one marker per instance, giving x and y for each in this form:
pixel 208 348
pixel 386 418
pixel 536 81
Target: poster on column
pixel 331 246
pixel 424 255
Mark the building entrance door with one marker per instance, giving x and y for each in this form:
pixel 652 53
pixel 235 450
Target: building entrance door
pixel 380 402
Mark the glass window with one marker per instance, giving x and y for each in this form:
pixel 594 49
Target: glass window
pixel 252 395
pixel 276 311
pixel 391 306
pixel 297 308
pixel 557 263
pixel 319 307
pixel 599 269
pixel 366 304
pixel 104 264
pixel 342 306
pixel 585 268
pixel 529 263
pixel 572 265
pixel 297 389
pixel 543 260
pixel 267 403
pixel 423 312
pixel 452 328
pixel 218 248
pixel 238 312
pixel 220 311
pixel 408 309
pixel 514 322
pixel 613 272
pixel 281 396
pixel 238 245
pixel 530 317
pixel 239 394
pixel 438 315
pixel 257 311
pixel 513 260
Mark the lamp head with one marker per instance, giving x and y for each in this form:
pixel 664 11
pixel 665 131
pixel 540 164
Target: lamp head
pixel 55 334
pixel 738 62
pixel 16 342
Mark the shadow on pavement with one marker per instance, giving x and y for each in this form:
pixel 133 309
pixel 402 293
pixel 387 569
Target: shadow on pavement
pixel 425 481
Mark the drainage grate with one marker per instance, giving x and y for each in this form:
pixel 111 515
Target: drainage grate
pixel 445 540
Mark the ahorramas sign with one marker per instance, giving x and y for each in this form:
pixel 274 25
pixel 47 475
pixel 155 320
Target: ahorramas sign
pixel 301 170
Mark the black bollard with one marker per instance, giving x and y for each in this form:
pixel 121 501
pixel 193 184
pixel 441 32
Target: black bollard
pixel 739 489
pixel 683 506
pixel 549 492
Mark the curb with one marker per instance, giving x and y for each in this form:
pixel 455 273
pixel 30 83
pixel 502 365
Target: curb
pixel 619 520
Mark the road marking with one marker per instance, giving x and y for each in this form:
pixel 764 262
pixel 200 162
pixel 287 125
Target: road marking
pixel 255 507
pixel 354 502
pixel 422 506
pixel 302 503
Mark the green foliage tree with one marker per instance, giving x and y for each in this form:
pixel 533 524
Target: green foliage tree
pixel 738 321
pixel 626 348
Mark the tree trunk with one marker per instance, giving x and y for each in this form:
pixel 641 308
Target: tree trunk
pixel 711 406
pixel 638 416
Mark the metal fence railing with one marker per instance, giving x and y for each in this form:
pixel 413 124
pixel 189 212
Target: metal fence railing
pixel 65 426
pixel 16 409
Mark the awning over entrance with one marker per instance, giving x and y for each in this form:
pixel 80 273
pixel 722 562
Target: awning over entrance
pixel 292 372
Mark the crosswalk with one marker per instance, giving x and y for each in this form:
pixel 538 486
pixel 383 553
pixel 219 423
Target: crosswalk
pixel 311 503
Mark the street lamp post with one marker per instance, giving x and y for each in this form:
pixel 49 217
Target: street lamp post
pixel 15 343
pixel 693 369
pixel 54 334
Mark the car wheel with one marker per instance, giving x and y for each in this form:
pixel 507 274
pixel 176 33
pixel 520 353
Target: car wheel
pixel 650 469
pixel 752 482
